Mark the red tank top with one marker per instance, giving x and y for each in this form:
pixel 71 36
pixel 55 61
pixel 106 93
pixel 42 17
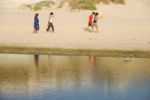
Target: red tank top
pixel 90 18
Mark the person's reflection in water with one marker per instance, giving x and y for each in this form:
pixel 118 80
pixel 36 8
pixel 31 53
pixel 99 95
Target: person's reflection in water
pixel 49 56
pixel 50 60
pixel 91 60
pixel 36 59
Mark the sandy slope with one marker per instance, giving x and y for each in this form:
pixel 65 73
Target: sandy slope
pixel 121 28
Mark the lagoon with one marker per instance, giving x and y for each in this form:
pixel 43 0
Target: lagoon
pixel 51 77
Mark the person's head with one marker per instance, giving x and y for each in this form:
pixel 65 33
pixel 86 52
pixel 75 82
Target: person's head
pixel 36 15
pixel 51 13
pixel 93 13
pixel 96 14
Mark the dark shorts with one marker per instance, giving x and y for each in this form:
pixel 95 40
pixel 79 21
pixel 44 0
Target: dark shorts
pixel 90 23
pixel 95 24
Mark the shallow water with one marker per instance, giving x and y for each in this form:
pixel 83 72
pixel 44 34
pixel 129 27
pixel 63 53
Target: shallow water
pixel 43 77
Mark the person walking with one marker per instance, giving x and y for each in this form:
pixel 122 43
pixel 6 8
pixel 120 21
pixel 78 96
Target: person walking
pixel 50 22
pixel 95 22
pixel 90 21
pixel 36 23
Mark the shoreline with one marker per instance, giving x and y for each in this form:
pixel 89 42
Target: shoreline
pixel 75 52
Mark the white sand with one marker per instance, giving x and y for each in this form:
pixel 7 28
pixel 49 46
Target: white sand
pixel 123 27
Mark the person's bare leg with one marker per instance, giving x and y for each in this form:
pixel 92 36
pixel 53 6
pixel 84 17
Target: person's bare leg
pixel 97 29
pixel 92 28
pixel 52 26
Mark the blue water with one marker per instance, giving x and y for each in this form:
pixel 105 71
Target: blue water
pixel 96 93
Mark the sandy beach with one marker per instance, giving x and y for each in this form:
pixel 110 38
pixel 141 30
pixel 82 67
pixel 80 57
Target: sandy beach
pixel 122 28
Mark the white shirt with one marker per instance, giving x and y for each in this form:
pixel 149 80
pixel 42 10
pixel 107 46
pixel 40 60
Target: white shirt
pixel 51 18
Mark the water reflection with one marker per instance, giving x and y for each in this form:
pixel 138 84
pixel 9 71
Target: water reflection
pixel 36 59
pixel 73 77
pixel 92 60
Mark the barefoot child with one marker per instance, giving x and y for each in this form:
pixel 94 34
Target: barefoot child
pixel 90 21
pixel 95 21
pixel 50 22
pixel 36 23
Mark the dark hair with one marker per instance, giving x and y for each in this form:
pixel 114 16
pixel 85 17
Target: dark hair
pixel 36 14
pixel 96 14
pixel 51 13
pixel 93 13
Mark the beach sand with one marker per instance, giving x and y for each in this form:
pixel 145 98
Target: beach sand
pixel 122 28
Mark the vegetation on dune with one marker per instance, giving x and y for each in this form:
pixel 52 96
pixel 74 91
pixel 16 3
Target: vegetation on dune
pixel 110 1
pixel 39 5
pixel 74 4
pixel 62 3
pixel 88 4
pixel 82 4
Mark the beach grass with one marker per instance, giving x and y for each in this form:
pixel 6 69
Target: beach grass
pixel 110 1
pixel 90 4
pixel 74 4
pixel 39 5
pixel 82 4
pixel 77 52
pixel 61 4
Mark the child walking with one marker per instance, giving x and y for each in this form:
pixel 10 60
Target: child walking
pixel 36 23
pixel 95 22
pixel 90 21
pixel 50 22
